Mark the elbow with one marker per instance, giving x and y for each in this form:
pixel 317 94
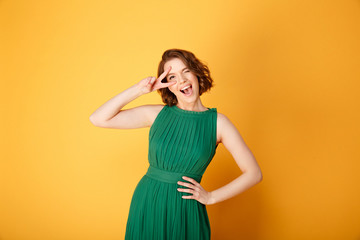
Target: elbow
pixel 259 176
pixel 94 121
pixel 256 176
pixel 91 118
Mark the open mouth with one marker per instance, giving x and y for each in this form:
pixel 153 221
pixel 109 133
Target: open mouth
pixel 187 91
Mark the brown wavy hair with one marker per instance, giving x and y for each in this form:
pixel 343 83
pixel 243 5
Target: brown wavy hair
pixel 200 69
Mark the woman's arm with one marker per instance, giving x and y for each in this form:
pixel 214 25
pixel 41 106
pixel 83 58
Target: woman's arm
pixel 110 108
pixel 244 158
pixel 111 115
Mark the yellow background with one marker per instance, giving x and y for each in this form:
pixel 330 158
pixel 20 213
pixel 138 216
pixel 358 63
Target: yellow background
pixel 286 74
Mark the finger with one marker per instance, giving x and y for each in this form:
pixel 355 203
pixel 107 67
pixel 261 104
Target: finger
pixel 189 185
pixel 183 190
pixel 188 197
pixel 190 180
pixel 168 84
pixel 164 73
pixel 152 80
pixel 148 80
pixel 186 190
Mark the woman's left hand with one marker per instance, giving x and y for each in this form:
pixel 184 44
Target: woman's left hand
pixel 199 193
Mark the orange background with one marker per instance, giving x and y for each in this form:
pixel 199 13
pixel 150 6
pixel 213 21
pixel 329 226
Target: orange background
pixel 286 74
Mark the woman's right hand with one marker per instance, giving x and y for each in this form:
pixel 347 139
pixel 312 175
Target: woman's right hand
pixel 150 84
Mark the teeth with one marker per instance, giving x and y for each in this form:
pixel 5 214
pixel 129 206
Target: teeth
pixel 185 87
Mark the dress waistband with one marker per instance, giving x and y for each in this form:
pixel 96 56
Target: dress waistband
pixel 169 176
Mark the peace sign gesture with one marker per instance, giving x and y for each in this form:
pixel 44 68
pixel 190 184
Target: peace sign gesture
pixel 150 84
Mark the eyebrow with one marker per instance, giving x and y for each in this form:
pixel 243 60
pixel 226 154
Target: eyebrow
pixel 181 70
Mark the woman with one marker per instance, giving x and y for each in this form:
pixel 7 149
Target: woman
pixel 169 202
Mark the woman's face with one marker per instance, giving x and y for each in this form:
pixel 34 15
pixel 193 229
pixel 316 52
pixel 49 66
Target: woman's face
pixel 183 77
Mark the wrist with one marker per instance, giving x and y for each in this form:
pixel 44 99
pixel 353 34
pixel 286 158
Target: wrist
pixel 211 199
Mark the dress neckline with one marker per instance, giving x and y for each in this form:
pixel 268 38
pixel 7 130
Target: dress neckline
pixel 177 109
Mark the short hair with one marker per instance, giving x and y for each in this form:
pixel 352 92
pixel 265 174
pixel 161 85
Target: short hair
pixel 200 69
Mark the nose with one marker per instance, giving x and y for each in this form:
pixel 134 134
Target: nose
pixel 182 79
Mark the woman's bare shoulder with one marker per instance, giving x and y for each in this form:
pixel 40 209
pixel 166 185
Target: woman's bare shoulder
pixel 221 119
pixel 220 115
pixel 219 124
pixel 223 122
pixel 154 110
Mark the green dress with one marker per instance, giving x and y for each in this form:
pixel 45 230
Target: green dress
pixel 181 143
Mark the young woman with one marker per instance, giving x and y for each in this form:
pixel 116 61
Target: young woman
pixel 169 201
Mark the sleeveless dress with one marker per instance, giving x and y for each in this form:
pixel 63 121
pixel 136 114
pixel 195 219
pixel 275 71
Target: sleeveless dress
pixel 181 143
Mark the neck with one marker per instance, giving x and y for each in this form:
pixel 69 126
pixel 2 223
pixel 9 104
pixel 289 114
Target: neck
pixel 191 106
